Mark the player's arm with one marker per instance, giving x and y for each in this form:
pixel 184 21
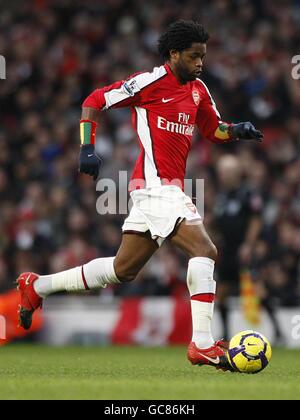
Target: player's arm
pixel 118 95
pixel 89 162
pixel 214 129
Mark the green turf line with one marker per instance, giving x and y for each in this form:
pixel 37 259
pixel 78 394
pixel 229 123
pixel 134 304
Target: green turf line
pixel 37 372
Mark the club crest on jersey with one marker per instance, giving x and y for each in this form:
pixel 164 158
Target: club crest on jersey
pixel 196 97
pixel 192 207
pixel 131 87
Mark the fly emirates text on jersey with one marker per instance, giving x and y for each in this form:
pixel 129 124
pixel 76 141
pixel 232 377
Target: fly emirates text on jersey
pixel 180 127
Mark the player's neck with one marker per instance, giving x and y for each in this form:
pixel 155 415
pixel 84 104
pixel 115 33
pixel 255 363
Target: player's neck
pixel 175 73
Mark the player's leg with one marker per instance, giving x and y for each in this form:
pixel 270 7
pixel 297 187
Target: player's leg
pixel 195 242
pixel 135 251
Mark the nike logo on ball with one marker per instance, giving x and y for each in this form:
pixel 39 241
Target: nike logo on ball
pixel 167 100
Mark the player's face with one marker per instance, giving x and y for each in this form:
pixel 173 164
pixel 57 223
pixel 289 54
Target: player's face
pixel 189 63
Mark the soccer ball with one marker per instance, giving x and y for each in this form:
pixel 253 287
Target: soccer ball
pixel 249 352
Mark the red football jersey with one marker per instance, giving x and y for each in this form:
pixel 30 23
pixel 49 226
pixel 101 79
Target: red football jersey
pixel 164 115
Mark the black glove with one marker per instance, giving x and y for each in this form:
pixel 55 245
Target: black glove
pixel 89 162
pixel 245 131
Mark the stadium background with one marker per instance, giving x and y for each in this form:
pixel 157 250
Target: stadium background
pixel 59 51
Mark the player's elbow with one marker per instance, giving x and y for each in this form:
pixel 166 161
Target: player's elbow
pixel 94 101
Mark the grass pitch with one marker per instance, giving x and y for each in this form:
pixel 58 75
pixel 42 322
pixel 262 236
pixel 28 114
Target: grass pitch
pixel 122 373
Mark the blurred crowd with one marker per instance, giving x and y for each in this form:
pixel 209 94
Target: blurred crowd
pixel 58 51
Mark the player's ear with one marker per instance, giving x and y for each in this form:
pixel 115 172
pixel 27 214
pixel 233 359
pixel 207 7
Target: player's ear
pixel 174 55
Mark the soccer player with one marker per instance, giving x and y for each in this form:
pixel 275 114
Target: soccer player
pixel 166 104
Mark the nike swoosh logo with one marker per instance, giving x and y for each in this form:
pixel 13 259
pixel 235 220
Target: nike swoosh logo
pixel 27 283
pixel 165 101
pixel 215 361
pixel 90 155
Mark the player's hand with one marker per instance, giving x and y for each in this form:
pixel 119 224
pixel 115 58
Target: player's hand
pixel 245 131
pixel 89 162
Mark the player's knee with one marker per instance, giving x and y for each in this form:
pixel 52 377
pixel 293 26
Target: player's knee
pixel 207 250
pixel 126 278
pixel 124 274
pixel 212 252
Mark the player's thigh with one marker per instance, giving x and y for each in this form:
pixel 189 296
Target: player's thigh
pixel 194 240
pixel 135 251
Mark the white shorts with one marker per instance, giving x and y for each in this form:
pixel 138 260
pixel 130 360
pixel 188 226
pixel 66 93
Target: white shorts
pixel 159 210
